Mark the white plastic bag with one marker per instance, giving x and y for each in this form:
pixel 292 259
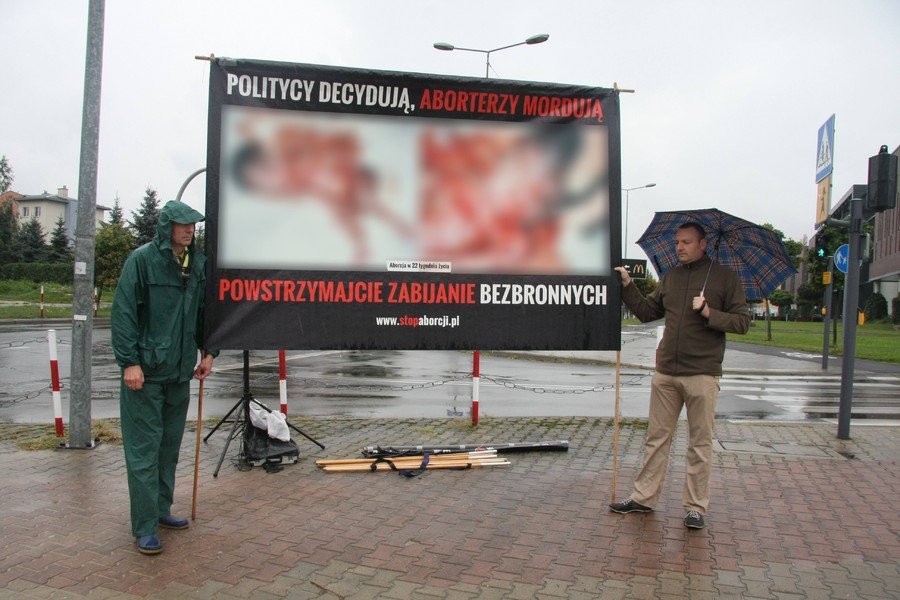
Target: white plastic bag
pixel 273 423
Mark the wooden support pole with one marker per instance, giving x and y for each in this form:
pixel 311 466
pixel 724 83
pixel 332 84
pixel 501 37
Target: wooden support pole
pixel 615 461
pixel 197 452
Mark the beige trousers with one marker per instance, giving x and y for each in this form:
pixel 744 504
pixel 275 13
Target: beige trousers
pixel 667 395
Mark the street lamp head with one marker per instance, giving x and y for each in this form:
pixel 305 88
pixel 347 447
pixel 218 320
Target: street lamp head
pixel 538 39
pixel 444 46
pixel 650 185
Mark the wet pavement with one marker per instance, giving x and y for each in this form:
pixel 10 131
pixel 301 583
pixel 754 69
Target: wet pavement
pixel 795 513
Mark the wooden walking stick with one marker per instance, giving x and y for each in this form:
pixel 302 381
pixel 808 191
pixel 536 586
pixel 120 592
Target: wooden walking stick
pixel 615 465
pixel 197 452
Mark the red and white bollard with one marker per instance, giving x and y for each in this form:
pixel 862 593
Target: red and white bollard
pixel 54 383
pixel 476 380
pixel 282 381
pixel 42 302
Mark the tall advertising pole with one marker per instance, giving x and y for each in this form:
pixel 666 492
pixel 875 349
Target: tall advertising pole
pixel 85 229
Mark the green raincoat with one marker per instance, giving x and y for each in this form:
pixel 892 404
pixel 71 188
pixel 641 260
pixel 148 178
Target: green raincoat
pixel 157 323
pixel 157 320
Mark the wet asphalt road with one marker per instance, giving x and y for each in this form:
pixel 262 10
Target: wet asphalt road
pixel 395 384
pixel 387 384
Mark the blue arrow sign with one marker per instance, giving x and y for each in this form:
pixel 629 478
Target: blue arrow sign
pixel 842 258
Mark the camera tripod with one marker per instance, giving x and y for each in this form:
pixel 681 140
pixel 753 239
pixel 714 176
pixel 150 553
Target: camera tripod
pixel 242 418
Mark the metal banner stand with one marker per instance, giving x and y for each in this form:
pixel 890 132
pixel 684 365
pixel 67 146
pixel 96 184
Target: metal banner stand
pixel 242 418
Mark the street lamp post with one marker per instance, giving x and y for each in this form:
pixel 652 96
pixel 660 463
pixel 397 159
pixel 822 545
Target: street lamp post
pixel 625 239
pixel 535 39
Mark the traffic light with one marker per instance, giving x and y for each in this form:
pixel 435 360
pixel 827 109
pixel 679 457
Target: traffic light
pixel 882 192
pixel 821 246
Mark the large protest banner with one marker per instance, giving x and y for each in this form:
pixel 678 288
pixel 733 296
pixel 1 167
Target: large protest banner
pixel 351 208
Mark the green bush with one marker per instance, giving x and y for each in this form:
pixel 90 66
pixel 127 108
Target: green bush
pixel 876 307
pixel 895 310
pixel 39 272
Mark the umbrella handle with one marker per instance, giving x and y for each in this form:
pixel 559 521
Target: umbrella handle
pixel 703 289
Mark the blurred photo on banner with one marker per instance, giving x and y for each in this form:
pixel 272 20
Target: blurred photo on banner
pixel 353 192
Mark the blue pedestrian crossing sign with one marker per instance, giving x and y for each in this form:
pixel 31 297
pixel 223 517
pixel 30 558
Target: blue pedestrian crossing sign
pixel 825 150
pixel 842 258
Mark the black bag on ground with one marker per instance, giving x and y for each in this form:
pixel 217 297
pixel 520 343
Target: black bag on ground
pixel 260 449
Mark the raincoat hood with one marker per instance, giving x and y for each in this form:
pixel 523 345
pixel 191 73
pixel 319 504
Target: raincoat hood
pixel 174 211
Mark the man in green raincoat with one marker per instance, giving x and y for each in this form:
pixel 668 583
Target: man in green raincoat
pixel 157 328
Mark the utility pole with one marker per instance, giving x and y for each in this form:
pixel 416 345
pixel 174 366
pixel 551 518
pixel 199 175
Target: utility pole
pixel 851 302
pixel 85 230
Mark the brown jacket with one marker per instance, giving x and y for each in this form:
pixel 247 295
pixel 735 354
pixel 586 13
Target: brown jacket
pixel 693 345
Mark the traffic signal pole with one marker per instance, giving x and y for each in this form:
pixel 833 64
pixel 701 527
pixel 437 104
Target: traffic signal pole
pixel 829 279
pixel 851 307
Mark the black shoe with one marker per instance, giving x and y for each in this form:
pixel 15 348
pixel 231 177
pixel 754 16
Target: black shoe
pixel 170 522
pixel 149 544
pixel 694 520
pixel 629 506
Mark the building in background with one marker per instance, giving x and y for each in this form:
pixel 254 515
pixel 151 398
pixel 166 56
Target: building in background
pixel 48 208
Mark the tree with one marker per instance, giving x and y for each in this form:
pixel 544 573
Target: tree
pixel 833 237
pixel 808 299
pixel 9 227
pixel 113 245
pixel 115 215
pixel 31 243
pixel 782 299
pixel 794 248
pixel 6 175
pixel 200 238
pixel 876 307
pixel 59 243
pixel 648 285
pixel 143 224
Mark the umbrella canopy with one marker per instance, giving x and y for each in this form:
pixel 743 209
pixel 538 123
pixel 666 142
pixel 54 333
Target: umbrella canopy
pixel 753 252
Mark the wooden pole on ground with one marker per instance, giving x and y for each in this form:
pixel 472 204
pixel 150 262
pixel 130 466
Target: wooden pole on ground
pixel 615 463
pixel 197 452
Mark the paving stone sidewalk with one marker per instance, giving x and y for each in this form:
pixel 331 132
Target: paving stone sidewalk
pixel 796 514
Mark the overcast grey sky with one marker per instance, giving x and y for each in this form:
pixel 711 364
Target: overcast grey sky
pixel 729 96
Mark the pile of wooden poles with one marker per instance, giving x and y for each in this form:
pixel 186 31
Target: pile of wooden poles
pixel 414 462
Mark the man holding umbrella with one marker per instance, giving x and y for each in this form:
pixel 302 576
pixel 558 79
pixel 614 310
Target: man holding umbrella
pixel 701 301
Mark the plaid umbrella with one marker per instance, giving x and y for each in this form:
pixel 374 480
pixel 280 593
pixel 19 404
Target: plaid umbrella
pixel 753 252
